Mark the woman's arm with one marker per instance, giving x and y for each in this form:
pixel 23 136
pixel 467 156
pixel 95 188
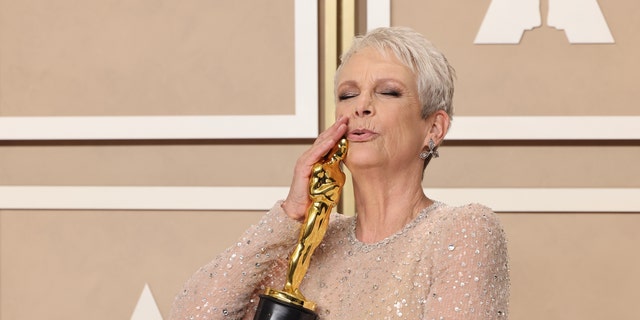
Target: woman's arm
pixel 227 287
pixel 470 271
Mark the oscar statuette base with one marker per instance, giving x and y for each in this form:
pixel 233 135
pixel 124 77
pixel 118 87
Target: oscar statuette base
pixel 270 308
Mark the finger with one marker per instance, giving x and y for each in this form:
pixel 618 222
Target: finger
pixel 333 133
pixel 325 143
pixel 338 127
pixel 335 128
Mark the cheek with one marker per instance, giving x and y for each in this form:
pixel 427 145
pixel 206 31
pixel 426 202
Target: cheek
pixel 341 110
pixel 406 135
pixel 399 138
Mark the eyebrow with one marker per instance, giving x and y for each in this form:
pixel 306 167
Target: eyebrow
pixel 378 81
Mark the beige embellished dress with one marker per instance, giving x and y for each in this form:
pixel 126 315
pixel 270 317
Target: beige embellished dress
pixel 448 263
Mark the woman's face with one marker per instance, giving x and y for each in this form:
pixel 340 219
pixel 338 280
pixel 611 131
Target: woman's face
pixel 379 95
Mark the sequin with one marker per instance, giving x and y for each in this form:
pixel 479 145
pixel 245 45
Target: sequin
pixel 427 270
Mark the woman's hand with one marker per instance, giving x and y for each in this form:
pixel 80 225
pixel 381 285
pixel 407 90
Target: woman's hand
pixel 298 199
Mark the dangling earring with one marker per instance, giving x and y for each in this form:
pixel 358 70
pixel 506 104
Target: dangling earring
pixel 432 151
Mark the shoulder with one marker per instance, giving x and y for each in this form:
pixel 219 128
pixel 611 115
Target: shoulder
pixel 470 214
pixel 475 221
pixel 471 233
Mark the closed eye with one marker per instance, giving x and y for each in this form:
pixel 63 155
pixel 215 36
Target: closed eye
pixel 346 96
pixel 391 93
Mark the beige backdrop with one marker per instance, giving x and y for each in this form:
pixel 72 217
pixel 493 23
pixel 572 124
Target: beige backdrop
pixel 143 57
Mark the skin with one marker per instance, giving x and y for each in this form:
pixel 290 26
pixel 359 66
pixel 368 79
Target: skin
pixel 378 110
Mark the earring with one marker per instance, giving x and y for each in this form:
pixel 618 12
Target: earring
pixel 432 151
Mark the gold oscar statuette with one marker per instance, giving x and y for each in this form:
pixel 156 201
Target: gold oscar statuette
pixel 325 185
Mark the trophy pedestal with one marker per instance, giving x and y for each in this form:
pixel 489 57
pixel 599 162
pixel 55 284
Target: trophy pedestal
pixel 270 308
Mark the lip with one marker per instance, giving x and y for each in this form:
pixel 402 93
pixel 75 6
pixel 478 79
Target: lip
pixel 361 135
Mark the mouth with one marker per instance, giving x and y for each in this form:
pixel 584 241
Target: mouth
pixel 361 135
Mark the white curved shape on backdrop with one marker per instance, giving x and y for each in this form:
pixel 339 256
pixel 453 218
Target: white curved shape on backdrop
pixel 507 20
pixel 581 20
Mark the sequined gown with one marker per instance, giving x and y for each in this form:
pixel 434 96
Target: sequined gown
pixel 448 263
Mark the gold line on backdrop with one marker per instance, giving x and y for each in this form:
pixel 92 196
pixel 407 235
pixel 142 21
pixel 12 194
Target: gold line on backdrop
pixel 330 60
pixel 339 30
pixel 347 31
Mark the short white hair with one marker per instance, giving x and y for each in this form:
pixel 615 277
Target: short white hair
pixel 434 75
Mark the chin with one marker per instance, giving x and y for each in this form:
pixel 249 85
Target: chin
pixel 361 160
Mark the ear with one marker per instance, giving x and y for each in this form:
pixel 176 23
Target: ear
pixel 438 126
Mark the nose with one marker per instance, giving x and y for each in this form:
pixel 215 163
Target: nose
pixel 364 108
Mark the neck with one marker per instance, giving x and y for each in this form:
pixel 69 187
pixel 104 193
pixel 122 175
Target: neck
pixel 386 202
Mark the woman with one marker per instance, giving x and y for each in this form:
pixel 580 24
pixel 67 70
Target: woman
pixel 403 255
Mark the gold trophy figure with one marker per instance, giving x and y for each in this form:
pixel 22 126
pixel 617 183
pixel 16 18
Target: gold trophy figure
pixel 324 191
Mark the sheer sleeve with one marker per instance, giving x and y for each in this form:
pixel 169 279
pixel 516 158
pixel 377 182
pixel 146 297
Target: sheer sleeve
pixel 227 287
pixel 470 267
